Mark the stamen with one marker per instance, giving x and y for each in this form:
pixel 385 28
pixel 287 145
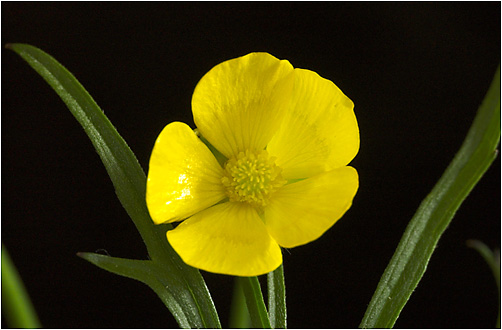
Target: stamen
pixel 252 177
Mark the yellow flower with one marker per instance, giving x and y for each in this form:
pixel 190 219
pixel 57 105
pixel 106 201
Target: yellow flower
pixel 285 136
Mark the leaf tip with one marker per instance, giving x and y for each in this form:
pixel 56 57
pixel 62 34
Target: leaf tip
pixel 85 255
pixel 81 254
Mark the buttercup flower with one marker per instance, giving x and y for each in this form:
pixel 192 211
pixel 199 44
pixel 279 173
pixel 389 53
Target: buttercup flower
pixel 273 172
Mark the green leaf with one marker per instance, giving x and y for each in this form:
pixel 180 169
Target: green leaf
pixel 412 255
pixel 129 182
pixel 255 303
pixel 277 298
pixel 16 304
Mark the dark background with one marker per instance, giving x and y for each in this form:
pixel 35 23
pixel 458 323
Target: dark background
pixel 415 71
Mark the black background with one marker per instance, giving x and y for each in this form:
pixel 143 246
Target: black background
pixel 415 71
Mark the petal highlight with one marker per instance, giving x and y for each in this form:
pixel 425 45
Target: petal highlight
pixel 301 212
pixel 228 238
pixel 319 132
pixel 239 104
pixel 183 178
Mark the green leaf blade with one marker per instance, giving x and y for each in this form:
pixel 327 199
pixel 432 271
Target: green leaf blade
pixel 277 298
pixel 127 176
pixel 413 253
pixel 129 182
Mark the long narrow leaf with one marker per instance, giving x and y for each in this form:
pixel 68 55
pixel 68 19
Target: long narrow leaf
pixel 129 182
pixel 435 213
pixel 127 176
pixel 277 298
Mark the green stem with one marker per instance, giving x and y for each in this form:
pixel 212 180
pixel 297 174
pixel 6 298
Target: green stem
pixel 16 304
pixel 239 315
pixel 255 303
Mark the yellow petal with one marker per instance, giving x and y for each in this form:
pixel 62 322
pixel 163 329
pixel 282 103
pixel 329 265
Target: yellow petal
pixel 319 132
pixel 228 238
pixel 301 212
pixel 184 177
pixel 238 105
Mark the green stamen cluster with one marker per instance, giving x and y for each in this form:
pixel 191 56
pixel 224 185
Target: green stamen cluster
pixel 252 177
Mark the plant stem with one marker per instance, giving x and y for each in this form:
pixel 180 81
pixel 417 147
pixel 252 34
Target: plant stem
pixel 239 315
pixel 254 301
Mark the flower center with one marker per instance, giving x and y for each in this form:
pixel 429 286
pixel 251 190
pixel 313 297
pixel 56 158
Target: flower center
pixel 252 177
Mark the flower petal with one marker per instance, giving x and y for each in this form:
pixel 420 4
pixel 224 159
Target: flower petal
pixel 319 132
pixel 184 177
pixel 238 105
pixel 301 212
pixel 228 238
